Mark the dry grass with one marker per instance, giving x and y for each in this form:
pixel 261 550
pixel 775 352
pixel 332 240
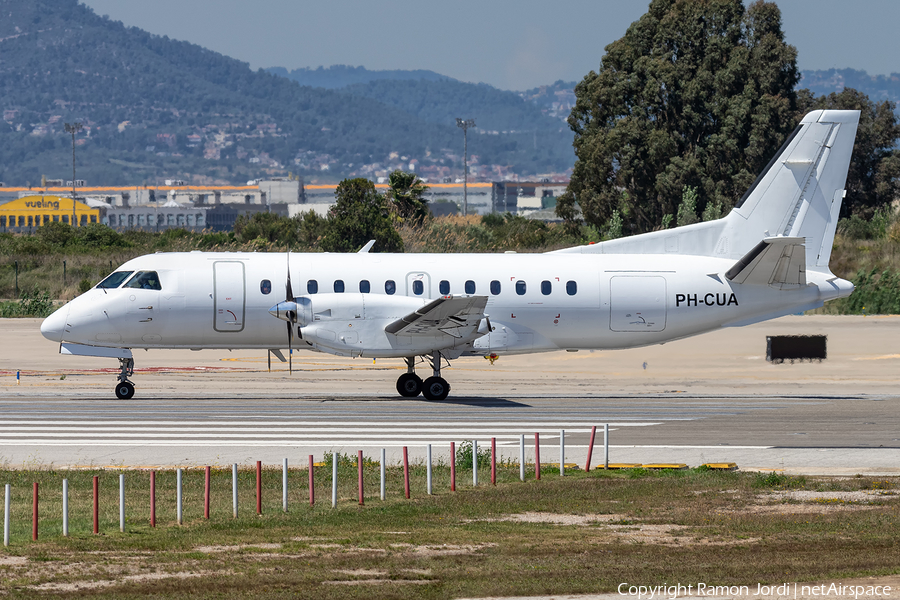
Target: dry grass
pixel 578 534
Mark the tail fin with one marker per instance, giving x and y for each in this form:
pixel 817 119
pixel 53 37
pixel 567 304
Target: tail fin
pixel 798 195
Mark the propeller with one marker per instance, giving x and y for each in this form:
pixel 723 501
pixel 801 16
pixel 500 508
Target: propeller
pixel 291 316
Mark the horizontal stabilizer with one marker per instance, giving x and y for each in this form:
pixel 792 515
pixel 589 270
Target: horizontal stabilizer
pixel 779 262
pixel 456 316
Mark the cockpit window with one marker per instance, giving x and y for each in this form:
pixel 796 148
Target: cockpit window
pixel 114 280
pixel 144 280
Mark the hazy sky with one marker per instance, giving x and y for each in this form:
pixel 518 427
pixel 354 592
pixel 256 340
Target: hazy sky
pixel 515 44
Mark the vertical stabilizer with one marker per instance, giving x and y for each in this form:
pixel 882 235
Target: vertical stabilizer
pixel 799 193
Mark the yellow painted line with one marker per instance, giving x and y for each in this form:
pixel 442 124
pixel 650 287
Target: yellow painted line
pixel 722 466
pixel 621 466
pixel 677 466
pixel 556 465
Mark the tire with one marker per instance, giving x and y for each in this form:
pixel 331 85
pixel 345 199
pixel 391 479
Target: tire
pixel 124 390
pixel 435 388
pixel 409 385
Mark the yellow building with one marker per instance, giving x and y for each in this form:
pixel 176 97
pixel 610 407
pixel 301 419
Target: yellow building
pixel 25 214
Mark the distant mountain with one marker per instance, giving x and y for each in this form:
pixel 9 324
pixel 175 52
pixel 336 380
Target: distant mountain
pixel 443 101
pixel 338 76
pixel 155 108
pixel 877 87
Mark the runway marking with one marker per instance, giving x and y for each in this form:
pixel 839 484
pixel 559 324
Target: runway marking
pixel 413 427
pixel 332 443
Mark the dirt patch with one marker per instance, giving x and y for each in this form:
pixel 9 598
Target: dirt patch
pixel 812 496
pixel 557 519
pixel 214 549
pixel 796 509
pixel 361 572
pixel 13 561
pixel 89 585
pixel 441 550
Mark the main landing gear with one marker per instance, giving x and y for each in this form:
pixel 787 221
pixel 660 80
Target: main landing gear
pixel 410 385
pixel 125 389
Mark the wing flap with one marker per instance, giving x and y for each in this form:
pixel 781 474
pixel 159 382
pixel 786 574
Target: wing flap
pixel 456 316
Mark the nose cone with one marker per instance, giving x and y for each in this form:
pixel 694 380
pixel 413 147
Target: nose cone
pixel 54 326
pixel 286 311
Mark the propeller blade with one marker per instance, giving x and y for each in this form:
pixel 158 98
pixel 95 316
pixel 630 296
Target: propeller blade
pixel 288 289
pixel 290 327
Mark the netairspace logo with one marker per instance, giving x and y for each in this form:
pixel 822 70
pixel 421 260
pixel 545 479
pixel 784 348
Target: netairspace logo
pixel 795 590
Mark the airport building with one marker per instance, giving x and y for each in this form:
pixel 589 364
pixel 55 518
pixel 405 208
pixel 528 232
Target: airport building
pixel 197 208
pixel 30 212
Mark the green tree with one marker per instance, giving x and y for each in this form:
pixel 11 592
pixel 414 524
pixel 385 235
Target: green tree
pixel 698 93
pixel 406 192
pixel 874 177
pixel 359 215
pixel 265 226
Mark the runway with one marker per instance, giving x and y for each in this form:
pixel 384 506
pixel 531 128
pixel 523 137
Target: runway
pixel 708 399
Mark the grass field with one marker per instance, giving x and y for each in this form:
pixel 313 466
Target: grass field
pixel 587 532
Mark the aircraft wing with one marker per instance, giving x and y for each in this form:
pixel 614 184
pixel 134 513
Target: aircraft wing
pixel 779 262
pixel 456 316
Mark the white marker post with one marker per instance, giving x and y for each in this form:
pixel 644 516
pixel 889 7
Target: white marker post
pixel 334 465
pixel 284 485
pixel 522 457
pixel 382 474
pixel 234 490
pixel 122 502
pixel 562 452
pixel 65 508
pixel 6 517
pixel 606 446
pixel 178 497
pixel 475 463
pixel 428 469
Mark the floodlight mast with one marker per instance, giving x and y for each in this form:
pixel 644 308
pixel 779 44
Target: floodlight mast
pixel 73 128
pixel 464 124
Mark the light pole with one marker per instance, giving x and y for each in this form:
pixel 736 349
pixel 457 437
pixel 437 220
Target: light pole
pixel 73 128
pixel 464 124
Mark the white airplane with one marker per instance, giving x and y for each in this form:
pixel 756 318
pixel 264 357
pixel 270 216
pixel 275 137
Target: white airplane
pixel 767 258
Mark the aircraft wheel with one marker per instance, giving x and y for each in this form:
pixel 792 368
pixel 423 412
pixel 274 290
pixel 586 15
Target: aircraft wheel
pixel 124 390
pixel 435 388
pixel 409 385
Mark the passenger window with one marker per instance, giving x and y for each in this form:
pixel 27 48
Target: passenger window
pixel 520 287
pixel 265 286
pixel 571 288
pixel 364 286
pixel 114 280
pixel 418 287
pixel 444 287
pixel 312 286
pixel 546 288
pixel 495 287
pixel 338 286
pixel 390 287
pixel 470 287
pixel 144 280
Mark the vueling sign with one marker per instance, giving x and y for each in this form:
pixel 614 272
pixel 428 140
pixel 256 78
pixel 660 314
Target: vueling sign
pixel 42 203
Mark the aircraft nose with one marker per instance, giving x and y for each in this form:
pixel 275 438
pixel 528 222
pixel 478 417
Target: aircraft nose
pixel 54 326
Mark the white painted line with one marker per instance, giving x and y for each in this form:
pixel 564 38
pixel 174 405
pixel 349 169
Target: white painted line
pixel 342 424
pixel 316 443
pixel 7 431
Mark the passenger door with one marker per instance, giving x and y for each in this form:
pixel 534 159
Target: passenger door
pixel 229 298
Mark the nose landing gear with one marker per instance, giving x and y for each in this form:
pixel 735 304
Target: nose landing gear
pixel 125 389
